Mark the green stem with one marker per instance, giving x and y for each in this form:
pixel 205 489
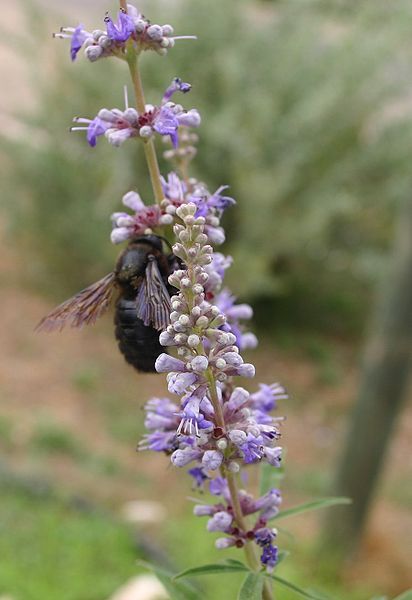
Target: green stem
pixel 251 557
pixel 148 145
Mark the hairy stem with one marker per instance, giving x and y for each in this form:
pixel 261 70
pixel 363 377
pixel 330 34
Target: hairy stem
pixel 149 148
pixel 251 557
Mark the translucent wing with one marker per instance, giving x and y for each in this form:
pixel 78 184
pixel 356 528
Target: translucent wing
pixel 153 300
pixel 82 309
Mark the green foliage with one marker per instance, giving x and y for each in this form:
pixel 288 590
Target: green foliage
pixel 309 506
pixel 51 437
pixel 306 116
pixel 252 587
pixel 49 550
pixel 178 590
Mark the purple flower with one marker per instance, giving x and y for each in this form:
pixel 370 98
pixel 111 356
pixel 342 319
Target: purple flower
pixel 94 128
pixel 252 448
pixel 177 383
pixel 212 459
pixel 264 536
pixel 218 486
pixel 159 441
pixel 165 364
pixel 182 457
pixel 273 456
pixel 267 396
pixel 269 557
pixel 198 475
pixel 221 521
pixel 207 202
pixel 174 189
pixel 268 504
pixel 166 123
pixel 79 36
pixel 122 30
pixel 177 85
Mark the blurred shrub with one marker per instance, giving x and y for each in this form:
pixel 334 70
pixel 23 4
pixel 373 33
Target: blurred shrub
pixel 306 112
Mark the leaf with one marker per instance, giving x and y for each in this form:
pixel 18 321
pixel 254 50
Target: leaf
pixel 295 588
pixel 270 477
pixel 405 595
pixel 252 587
pixel 213 568
pixel 308 506
pixel 239 563
pixel 181 590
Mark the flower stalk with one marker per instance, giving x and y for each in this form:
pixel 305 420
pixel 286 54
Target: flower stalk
pixel 148 145
pixel 216 425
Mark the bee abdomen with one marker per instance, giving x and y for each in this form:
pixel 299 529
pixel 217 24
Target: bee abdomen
pixel 138 343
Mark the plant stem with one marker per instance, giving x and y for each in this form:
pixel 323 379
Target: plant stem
pixel 123 5
pixel 148 145
pixel 251 558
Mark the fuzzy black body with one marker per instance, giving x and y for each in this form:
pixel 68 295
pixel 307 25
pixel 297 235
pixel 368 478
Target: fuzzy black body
pixel 143 301
pixel 139 343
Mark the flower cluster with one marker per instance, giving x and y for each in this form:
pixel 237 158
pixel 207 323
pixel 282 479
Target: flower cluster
pixel 164 119
pixel 131 28
pixel 176 193
pixel 216 426
pixel 222 519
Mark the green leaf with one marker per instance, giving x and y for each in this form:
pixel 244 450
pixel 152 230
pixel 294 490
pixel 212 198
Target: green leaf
pixel 213 568
pixel 405 595
pixel 233 561
pixel 181 590
pixel 270 477
pixel 295 588
pixel 252 587
pixel 315 505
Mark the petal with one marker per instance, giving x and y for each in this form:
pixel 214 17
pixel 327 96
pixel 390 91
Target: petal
pixel 120 234
pixel 165 364
pixel 133 200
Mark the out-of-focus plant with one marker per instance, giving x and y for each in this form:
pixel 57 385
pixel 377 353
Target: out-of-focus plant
pixel 309 120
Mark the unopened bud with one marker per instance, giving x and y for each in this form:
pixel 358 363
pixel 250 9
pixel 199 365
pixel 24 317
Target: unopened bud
pixel 146 131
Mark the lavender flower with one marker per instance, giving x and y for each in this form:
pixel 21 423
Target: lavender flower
pixel 118 126
pixel 130 28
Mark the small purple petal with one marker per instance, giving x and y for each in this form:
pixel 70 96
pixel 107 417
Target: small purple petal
pixel 78 38
pixel 96 128
pixel 221 521
pixel 179 382
pixel 181 458
pixel 120 234
pixel 133 200
pixel 165 364
pixel 212 459
pixel 218 486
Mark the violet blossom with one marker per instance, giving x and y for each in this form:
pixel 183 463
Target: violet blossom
pixel 118 126
pixel 130 27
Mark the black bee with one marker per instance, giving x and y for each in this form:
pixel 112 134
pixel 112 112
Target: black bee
pixel 142 306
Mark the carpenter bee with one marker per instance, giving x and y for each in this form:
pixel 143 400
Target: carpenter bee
pixel 142 307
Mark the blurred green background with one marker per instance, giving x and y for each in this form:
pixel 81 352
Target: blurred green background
pixel 306 110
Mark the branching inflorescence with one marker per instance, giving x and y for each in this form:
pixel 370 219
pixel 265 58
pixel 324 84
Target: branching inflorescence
pixel 215 425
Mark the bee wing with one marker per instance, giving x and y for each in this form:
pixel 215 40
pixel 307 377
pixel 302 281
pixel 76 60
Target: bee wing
pixel 82 309
pixel 153 300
